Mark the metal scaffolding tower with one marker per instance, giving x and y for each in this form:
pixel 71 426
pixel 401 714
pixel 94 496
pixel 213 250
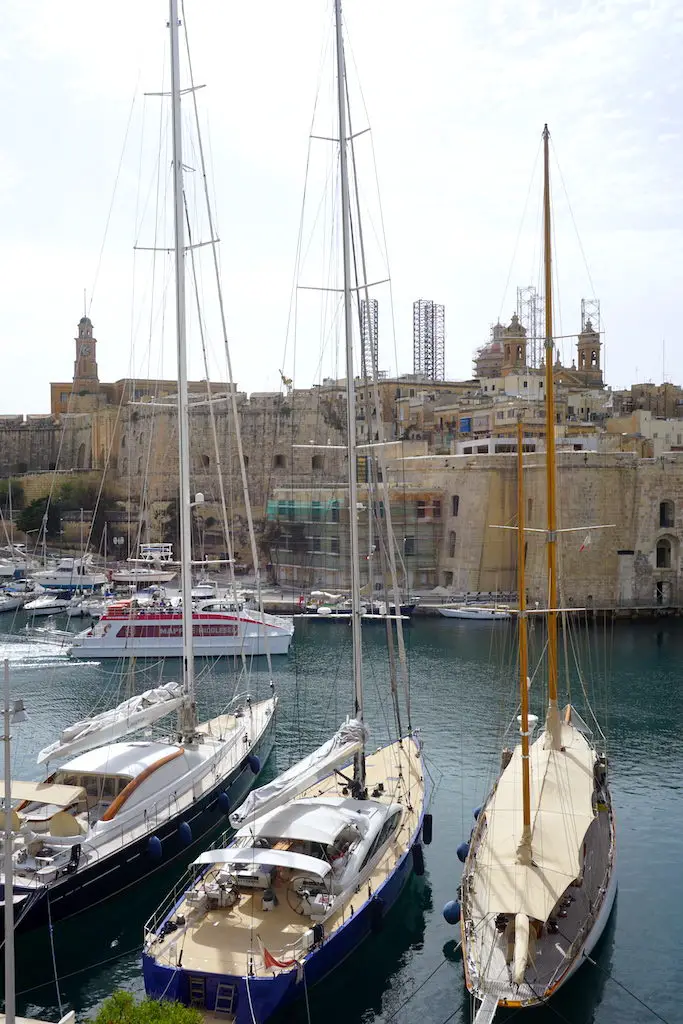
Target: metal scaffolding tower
pixel 369 332
pixel 590 310
pixel 429 339
pixel 531 313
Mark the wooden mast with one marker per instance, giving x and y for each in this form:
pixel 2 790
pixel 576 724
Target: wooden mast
pixel 524 848
pixel 553 718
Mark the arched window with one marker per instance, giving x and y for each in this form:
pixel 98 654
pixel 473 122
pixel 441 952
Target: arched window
pixel 246 461
pixel 279 462
pixel 664 553
pixel 451 544
pixel 455 504
pixel 140 466
pixel 124 466
pixel 317 462
pixel 123 441
pixel 206 461
pixel 666 515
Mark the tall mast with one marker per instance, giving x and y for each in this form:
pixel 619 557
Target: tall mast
pixel 524 848
pixel 553 718
pixel 188 719
pixel 359 766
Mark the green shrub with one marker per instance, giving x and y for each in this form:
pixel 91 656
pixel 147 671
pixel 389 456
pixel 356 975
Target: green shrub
pixel 123 1008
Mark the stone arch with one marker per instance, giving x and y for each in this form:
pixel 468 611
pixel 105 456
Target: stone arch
pixel 123 441
pixel 667 513
pixel 664 553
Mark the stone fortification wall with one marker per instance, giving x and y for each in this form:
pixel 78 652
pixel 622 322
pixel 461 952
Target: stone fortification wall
pixel 636 559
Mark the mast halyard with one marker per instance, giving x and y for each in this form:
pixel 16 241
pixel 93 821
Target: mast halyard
pixel 188 718
pixel 524 854
pixel 359 762
pixel 553 717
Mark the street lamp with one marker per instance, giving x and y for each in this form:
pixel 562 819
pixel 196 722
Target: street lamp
pixel 12 715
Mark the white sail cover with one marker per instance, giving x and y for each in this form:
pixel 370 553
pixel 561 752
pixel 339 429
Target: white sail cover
pixel 338 751
pixel 132 714
pixel 561 813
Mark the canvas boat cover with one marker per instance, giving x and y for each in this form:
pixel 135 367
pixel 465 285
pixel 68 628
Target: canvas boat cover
pixel 249 855
pixel 561 812
pixel 133 714
pixel 315 820
pixel 333 754
pixel 46 793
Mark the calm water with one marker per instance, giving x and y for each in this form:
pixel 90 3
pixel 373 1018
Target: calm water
pixel 462 693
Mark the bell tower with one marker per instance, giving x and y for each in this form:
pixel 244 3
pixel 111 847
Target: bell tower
pixel 85 367
pixel 514 347
pixel 589 352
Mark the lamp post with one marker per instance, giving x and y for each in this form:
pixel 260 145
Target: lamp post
pixel 11 716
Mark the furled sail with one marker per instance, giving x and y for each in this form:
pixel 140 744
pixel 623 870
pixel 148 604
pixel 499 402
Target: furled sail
pixel 131 715
pixel 333 754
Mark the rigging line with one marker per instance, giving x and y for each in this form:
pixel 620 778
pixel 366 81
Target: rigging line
pixel 113 196
pixel 228 359
pixel 82 970
pixel 54 958
pixel 626 989
pixel 420 986
pixel 519 231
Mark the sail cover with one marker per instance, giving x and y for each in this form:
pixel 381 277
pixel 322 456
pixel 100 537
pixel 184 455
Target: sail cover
pixel 132 714
pixel 338 751
pixel 561 812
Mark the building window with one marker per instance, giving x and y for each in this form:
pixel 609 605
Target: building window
pixel 529 503
pixel 334 545
pixel 500 415
pixel 663 554
pixel 334 512
pixel 666 515
pixel 451 544
pixel 526 383
pixel 448 579
pixel 206 461
pixel 279 462
pixel 408 545
pixel 436 508
pixel 421 509
pixel 316 510
pixel 123 441
pixel 455 504
pixel 317 462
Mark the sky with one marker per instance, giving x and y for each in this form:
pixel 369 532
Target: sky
pixel 456 96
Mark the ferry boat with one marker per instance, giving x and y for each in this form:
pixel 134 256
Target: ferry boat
pixel 155 630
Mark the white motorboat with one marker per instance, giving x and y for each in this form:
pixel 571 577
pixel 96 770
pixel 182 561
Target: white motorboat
pixel 476 613
pixel 154 630
pixel 153 565
pixel 14 595
pixel 47 604
pixel 88 607
pixel 71 574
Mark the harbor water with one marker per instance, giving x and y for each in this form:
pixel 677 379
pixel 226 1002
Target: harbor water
pixel 462 689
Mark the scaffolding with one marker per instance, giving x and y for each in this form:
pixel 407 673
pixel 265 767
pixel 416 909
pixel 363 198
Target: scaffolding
pixel 590 313
pixel 369 333
pixel 531 313
pixel 429 339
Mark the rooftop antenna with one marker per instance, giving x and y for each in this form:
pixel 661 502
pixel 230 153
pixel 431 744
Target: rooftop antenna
pixel 85 304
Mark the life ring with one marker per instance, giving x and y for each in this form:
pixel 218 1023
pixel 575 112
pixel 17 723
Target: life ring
pixel 302 601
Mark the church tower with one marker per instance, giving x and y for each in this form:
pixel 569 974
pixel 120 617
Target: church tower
pixel 85 367
pixel 514 347
pixel 589 354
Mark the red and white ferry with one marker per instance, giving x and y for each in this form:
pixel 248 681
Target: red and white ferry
pixel 155 630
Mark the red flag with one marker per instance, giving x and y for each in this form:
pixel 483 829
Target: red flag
pixel 270 961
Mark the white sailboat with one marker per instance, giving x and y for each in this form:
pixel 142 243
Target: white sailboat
pixel 118 809
pixel 322 852
pixel 539 880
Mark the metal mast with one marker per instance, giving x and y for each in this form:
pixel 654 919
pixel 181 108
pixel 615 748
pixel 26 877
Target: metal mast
pixel 553 719
pixel 359 766
pixel 188 717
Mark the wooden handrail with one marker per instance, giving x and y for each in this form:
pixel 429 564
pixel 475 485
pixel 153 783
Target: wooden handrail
pixel 118 802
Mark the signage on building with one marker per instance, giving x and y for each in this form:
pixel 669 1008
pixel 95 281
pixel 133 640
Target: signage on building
pixel 481 423
pixel 465 425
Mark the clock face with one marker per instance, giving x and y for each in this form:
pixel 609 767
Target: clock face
pixel 85 350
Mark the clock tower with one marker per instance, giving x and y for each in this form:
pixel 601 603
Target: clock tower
pixel 85 367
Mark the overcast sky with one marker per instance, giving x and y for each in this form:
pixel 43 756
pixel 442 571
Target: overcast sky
pixel 457 95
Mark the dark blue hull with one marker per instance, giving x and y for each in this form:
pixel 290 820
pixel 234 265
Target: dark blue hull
pixel 92 884
pixel 256 999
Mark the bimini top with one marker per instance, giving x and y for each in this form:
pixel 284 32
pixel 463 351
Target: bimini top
pixel 314 820
pixel 127 759
pixel 46 793
pixel 249 855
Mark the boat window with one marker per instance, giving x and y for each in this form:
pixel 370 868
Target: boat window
pixel 389 827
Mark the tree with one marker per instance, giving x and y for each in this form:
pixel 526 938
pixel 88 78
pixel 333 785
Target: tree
pixel 17 494
pixel 30 519
pixel 122 1008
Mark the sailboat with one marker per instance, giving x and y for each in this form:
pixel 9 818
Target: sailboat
pixel 321 853
pixel 118 809
pixel 539 878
